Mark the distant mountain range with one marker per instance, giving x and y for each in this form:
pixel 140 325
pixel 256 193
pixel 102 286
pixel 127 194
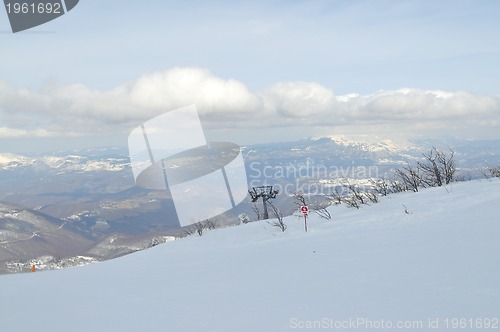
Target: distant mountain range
pixel 26 234
pixel 74 202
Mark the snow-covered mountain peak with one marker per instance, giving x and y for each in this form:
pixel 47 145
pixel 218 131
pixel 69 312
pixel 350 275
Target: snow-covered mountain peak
pixel 72 162
pixel 10 160
pixel 372 143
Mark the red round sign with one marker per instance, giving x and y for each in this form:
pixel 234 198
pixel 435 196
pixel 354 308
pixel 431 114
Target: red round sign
pixel 304 209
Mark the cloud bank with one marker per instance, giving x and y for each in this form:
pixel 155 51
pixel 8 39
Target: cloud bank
pixel 72 110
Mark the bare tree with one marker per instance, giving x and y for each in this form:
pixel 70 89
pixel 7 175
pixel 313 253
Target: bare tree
pixel 351 201
pixel 438 168
pixel 357 193
pixel 359 196
pixel 279 219
pixel 200 227
pixel 336 196
pixel 431 176
pixel 188 230
pixel 255 209
pixel 155 241
pixel 410 176
pixel 322 211
pixel 397 186
pixel 448 165
pixel 382 186
pixel 299 199
pixel 210 224
pixel 494 171
pixel 372 196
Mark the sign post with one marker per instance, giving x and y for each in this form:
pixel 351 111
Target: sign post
pixel 305 210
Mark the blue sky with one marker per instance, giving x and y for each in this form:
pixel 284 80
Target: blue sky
pixel 291 62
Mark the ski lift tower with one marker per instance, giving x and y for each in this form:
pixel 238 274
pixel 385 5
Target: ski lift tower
pixel 264 192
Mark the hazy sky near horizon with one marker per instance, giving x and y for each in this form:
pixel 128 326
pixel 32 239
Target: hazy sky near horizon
pixel 257 71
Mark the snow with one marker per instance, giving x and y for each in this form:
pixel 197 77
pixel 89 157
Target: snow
pixel 80 163
pixel 49 262
pixel 373 144
pixel 377 263
pixel 9 161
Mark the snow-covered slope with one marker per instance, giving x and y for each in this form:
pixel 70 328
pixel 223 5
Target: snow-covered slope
pixel 377 265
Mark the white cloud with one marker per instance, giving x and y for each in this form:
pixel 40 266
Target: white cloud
pixel 227 104
pixel 41 133
pixel 299 99
pixel 182 86
pixel 425 105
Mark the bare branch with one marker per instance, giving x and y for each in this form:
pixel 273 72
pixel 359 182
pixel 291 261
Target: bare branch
pixel 210 224
pixel 351 201
pixel 336 196
pixel 322 211
pixel 188 230
pixel 200 227
pixel 256 210
pixel 439 168
pixel 279 218
pixel 410 176
pixel 397 186
pixel 494 171
pixel 382 186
